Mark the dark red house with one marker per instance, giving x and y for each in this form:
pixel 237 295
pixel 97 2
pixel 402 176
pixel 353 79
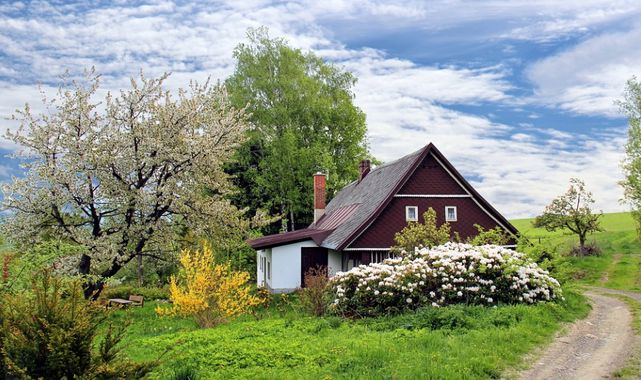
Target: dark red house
pixel 358 225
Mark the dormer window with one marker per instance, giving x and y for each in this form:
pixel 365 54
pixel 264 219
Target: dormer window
pixel 450 213
pixel 411 213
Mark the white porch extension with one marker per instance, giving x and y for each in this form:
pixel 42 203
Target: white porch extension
pixel 279 268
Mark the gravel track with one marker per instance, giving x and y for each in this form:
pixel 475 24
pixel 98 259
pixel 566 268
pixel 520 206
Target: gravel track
pixel 592 348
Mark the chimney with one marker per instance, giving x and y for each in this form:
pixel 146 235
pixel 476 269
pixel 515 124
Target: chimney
pixel 319 195
pixel 364 169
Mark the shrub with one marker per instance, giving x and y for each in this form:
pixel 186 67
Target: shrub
pixel 448 274
pixel 210 292
pixel 124 291
pixel 50 331
pixel 313 297
pixel 588 249
pixel 495 236
pixel 426 234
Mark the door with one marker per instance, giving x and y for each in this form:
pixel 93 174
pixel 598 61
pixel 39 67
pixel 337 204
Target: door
pixel 312 257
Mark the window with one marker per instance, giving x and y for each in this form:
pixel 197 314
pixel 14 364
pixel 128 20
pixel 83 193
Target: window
pixel 378 257
pixel 411 213
pixel 450 213
pixel 269 270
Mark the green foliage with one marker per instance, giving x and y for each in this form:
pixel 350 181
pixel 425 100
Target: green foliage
pixel 124 291
pixel 314 298
pixel 304 121
pixel 571 211
pixel 49 333
pixel 417 235
pixel 46 335
pixel 495 236
pixel 18 268
pixel 631 106
pixel 468 342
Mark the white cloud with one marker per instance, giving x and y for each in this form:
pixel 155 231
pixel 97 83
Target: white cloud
pixel 590 76
pixel 407 104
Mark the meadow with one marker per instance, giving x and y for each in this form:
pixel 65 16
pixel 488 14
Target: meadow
pixel 472 342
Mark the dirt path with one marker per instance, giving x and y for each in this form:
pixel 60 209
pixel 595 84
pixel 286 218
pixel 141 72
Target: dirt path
pixel 634 295
pixel 592 348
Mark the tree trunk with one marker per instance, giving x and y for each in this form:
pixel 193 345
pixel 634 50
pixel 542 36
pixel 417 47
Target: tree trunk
pixel 582 243
pixel 291 217
pixel 140 273
pixel 85 265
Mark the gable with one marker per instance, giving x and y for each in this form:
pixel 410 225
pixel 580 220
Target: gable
pixel 431 178
pixel 432 182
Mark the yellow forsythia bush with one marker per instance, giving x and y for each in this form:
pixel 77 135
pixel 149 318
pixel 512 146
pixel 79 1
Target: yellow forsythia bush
pixel 210 292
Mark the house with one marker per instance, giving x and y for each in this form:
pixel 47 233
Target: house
pixel 358 225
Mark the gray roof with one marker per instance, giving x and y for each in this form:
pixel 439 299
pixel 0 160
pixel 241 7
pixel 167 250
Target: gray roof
pixel 359 203
pixel 369 194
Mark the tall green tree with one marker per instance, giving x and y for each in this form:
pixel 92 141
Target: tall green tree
pixel 631 105
pixel 304 120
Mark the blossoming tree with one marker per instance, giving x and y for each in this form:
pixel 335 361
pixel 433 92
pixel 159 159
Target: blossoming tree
pixel 119 178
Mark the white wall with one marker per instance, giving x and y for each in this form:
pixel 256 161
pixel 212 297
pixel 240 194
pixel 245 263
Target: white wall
pixel 286 262
pixel 334 262
pixel 261 267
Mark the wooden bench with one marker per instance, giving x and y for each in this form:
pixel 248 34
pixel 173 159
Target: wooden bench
pixel 133 300
pixel 137 300
pixel 119 301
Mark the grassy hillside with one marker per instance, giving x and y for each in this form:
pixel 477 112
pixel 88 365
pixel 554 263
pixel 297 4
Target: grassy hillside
pixel 618 267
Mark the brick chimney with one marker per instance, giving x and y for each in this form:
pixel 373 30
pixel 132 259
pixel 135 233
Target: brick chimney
pixel 319 195
pixel 364 168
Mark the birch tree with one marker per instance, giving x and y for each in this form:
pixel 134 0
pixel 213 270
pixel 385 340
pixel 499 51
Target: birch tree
pixel 631 105
pixel 120 177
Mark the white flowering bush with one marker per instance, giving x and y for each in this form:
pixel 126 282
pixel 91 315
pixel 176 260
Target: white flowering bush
pixel 447 274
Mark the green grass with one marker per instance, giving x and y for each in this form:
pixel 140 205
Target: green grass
pixel 448 343
pixel 618 267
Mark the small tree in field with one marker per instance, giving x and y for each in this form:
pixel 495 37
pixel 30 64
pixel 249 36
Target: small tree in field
pixel 118 178
pixel 426 234
pixel 210 292
pixel 571 211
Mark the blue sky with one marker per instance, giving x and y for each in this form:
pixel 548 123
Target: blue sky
pixel 519 95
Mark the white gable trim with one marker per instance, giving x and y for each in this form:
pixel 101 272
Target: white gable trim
pixel 474 199
pixel 432 196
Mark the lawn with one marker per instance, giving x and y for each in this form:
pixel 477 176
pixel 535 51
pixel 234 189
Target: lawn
pixel 451 343
pixel 618 267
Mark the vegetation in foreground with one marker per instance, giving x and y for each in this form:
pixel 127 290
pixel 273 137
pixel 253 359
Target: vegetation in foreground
pixel 282 342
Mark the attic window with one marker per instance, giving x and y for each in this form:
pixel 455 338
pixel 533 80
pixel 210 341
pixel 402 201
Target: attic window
pixel 411 213
pixel 450 213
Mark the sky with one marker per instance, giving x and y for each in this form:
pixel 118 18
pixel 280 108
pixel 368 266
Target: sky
pixel 518 95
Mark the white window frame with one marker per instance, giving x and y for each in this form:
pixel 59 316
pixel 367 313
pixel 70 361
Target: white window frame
pixel 447 214
pixel 407 214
